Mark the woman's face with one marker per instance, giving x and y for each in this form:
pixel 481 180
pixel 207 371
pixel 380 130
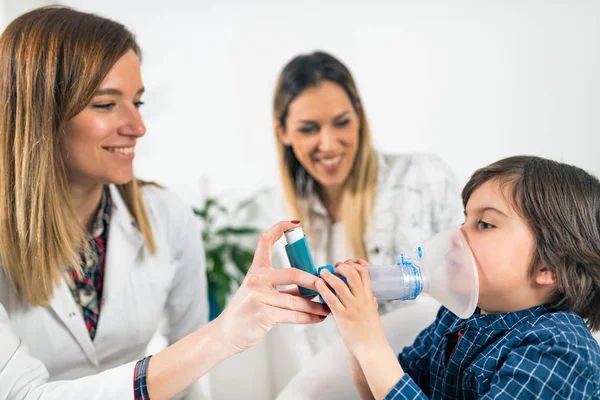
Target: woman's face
pixel 322 128
pixel 99 142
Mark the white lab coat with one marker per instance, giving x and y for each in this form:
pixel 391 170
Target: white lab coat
pixel 46 352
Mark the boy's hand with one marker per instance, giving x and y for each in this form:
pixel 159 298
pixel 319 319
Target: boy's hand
pixel 374 365
pixel 354 308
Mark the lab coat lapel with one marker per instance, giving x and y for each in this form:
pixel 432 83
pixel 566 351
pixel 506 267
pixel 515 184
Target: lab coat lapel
pixel 124 247
pixel 66 310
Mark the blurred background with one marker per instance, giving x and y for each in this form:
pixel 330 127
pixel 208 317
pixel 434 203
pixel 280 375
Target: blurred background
pixel 471 80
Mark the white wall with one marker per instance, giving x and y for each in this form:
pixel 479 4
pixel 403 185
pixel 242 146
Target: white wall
pixel 471 80
pixel 13 8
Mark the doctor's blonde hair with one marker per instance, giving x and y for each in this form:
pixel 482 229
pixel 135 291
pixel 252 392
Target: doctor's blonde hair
pixel 358 199
pixel 52 60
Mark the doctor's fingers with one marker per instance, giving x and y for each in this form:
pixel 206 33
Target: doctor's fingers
pixel 264 249
pixel 293 303
pixel 292 276
pixel 285 316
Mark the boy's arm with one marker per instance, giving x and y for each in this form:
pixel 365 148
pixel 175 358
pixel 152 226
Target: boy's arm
pixel 358 377
pixel 391 377
pixel 545 371
pixel 413 361
pixel 380 368
pixel 393 383
pixel 355 310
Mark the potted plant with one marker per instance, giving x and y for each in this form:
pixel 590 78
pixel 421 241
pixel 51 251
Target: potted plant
pixel 229 251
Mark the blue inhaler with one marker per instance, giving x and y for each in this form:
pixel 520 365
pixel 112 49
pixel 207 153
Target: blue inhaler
pixel 299 255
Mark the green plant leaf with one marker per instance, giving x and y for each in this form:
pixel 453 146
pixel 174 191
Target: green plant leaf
pixel 222 289
pixel 212 202
pixel 235 231
pixel 202 213
pixel 242 258
pixel 217 257
pixel 227 262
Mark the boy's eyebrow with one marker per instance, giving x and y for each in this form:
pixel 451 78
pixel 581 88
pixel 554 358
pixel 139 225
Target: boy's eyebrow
pixel 481 210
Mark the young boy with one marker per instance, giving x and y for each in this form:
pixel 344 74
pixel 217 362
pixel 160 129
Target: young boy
pixel 533 226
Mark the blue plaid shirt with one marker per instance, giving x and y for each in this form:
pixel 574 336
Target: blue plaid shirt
pixel 534 353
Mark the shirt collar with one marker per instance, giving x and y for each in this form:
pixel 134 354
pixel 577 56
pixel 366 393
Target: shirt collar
pixel 499 321
pixel 102 218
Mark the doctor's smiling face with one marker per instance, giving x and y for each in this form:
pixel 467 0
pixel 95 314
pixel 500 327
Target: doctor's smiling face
pixel 322 128
pixel 99 142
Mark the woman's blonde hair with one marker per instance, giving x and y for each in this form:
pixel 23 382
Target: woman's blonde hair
pixel 52 61
pixel 358 200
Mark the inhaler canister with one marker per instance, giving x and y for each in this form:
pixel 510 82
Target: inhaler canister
pixel 299 255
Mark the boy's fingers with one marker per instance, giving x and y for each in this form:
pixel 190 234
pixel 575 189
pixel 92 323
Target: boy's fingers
pixel 365 276
pixel 341 290
pixel 353 277
pixel 332 301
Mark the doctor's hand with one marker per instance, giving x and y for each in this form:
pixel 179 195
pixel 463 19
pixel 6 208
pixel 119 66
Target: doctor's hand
pixel 258 305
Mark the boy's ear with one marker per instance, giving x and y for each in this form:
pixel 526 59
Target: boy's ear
pixel 281 133
pixel 544 276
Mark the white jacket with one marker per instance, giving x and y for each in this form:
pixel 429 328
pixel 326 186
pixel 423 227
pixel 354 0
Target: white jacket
pixel 46 352
pixel 417 196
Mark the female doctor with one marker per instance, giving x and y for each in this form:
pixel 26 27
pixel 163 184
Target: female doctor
pixel 92 258
pixel 354 201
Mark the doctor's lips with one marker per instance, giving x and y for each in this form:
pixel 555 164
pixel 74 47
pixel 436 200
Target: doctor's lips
pixel 122 150
pixel 329 162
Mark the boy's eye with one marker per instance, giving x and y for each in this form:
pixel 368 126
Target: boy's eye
pixel 138 104
pixel 484 225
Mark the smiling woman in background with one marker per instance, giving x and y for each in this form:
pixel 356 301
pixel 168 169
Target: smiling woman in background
pixel 354 201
